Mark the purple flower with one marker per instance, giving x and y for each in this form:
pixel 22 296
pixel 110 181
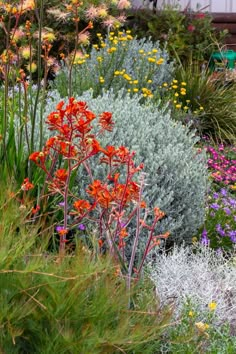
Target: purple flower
pixel 215 206
pixel 81 227
pixel 227 211
pixel 220 231
pixel 59 228
pixel 223 192
pixel 205 241
pixel 232 235
pixel 215 195
pixel 232 202
pixel 61 204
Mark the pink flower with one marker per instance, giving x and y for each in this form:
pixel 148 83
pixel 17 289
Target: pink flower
pixel 200 15
pixel 191 28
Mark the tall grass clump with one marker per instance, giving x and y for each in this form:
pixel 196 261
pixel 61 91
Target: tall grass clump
pixel 78 305
pixel 212 100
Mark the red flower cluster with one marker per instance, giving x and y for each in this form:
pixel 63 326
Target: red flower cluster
pixel 27 185
pixel 111 204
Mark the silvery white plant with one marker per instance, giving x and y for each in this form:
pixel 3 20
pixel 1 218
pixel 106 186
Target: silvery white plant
pixel 176 171
pixel 197 275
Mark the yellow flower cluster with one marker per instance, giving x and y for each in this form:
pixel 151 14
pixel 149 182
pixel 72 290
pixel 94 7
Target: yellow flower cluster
pixel 179 90
pixel 147 92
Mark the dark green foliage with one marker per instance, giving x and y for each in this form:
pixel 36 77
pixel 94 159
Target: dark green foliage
pixel 189 34
pixel 216 96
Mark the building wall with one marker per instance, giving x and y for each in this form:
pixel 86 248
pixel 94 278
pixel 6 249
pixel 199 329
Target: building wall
pixel 210 5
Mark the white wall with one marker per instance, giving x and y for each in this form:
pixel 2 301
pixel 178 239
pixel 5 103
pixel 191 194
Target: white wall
pixel 214 5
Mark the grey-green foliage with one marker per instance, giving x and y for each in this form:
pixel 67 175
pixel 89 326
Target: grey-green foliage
pixel 177 176
pixel 126 57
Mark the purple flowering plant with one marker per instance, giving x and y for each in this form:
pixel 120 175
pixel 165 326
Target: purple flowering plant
pixel 219 230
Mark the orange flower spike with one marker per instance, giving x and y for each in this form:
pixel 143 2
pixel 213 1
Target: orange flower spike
pixel 35 210
pixel 165 235
pixel 60 105
pixel 94 188
pixel 110 151
pixel 38 157
pixel 62 232
pixel 61 174
pixel 65 131
pixel 27 185
pixel 89 115
pixel 54 119
pixel 123 154
pixel 158 213
pixel 105 121
pixel 82 126
pixel 104 198
pixel 50 143
pixel 123 233
pixel 143 205
pixel 100 243
pixel 90 25
pixel 96 148
pixel 81 206
pixel 67 150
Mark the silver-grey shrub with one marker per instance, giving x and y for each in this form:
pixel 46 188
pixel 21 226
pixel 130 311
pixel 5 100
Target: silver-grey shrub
pixel 198 275
pixel 176 172
pixel 127 57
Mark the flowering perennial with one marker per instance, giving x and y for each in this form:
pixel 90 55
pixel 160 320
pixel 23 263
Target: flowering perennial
pixel 111 204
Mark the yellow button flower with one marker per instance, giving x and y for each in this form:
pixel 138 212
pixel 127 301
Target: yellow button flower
pixel 212 306
pixel 160 61
pixel 151 60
